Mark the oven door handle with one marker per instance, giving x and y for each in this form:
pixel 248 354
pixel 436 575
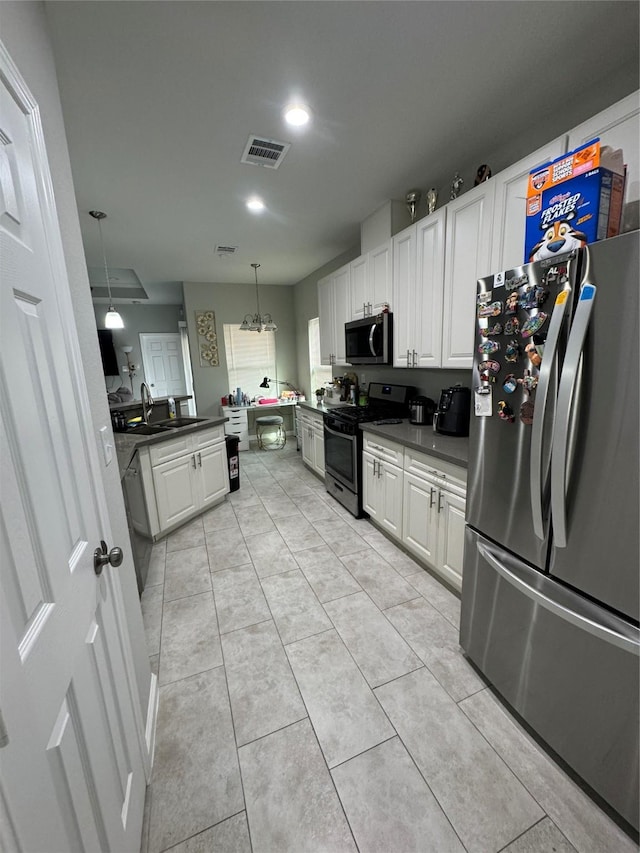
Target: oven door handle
pixel 339 434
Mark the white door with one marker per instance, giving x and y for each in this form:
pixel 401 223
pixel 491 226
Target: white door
pixel 391 489
pixel 213 473
pixel 427 302
pixel 326 311
pixel 72 770
pixel 359 289
pixel 342 315
pixel 451 509
pixel 419 525
pixel 380 274
pixel 404 288
pixel 163 364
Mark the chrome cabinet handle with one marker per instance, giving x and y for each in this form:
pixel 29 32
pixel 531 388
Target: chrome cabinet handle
pixel 200 459
pixel 432 492
pixel 440 501
pixel 102 557
pixel 408 359
pixel 193 460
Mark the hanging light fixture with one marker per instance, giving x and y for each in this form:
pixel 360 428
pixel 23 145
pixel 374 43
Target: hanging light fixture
pixel 112 319
pixel 257 322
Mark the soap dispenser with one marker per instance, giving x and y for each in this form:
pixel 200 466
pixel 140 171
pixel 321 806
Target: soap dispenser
pixel 172 407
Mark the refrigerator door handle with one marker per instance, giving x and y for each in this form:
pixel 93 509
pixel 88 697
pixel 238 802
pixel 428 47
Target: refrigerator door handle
pixel 566 396
pixel 572 615
pixel 536 474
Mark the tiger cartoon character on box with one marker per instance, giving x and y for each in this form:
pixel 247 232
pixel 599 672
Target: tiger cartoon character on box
pixel 571 201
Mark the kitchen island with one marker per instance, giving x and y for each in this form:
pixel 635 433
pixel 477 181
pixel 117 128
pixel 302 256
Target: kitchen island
pixel 170 474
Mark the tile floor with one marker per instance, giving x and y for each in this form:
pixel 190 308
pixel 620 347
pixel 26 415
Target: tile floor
pixel 313 696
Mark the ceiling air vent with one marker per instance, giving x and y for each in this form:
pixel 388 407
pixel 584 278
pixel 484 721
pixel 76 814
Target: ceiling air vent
pixel 264 152
pixel 225 251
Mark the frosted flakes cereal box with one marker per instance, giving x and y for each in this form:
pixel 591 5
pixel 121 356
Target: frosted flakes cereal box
pixel 572 201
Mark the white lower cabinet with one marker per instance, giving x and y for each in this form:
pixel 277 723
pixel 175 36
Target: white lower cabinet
pixel 237 424
pixel 182 477
pixel 433 513
pixel 311 436
pixel 382 482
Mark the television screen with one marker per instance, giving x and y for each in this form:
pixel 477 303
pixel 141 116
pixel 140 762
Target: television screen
pixel 108 353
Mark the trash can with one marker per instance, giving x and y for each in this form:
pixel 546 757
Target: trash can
pixel 233 461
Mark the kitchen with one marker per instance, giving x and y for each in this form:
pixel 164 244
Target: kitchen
pixel 432 390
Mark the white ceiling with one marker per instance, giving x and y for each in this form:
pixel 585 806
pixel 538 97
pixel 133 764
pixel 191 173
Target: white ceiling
pixel 159 99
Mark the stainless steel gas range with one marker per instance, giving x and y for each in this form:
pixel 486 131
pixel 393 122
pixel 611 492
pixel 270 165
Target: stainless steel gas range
pixel 343 440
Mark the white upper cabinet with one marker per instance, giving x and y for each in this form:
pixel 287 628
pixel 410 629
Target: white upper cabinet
pixel 359 287
pixel 467 258
pixel 334 311
pixel 418 273
pixel 509 215
pixel 380 276
pixel 619 127
pixel 370 286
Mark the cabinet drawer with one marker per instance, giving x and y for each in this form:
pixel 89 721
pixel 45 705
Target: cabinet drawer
pixel 430 467
pixel 205 437
pixel 166 450
pixel 382 448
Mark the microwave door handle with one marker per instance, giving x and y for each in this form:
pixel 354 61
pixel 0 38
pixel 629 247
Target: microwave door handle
pixel 567 400
pixel 371 334
pixel 536 474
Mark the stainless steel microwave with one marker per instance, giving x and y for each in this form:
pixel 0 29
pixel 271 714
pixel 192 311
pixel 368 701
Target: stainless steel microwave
pixel 370 341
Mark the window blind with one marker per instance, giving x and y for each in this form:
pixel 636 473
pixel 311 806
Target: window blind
pixel 250 357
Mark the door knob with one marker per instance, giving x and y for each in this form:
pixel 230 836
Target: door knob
pixel 101 557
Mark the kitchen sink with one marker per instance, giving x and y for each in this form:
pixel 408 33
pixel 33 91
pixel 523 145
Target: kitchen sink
pixel 146 429
pixel 174 423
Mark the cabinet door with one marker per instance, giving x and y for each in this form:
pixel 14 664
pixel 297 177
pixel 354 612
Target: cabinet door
pixel 451 509
pixel 342 308
pixel 428 294
pixel 420 517
pixel 380 275
pixel 468 257
pixel 212 474
pixel 307 443
pixel 176 496
pixel 326 312
pixel 390 518
pixel 318 449
pixel 404 276
pixel 509 216
pixel 371 489
pixel 358 288
pixel 618 126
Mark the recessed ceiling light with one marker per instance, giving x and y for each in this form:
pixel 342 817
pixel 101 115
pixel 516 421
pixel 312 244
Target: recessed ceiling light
pixel 297 115
pixel 255 204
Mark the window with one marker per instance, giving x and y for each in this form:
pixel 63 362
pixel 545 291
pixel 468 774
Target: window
pixel 250 357
pixel 319 374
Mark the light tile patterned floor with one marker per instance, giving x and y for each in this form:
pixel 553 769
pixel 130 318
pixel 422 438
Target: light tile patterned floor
pixel 313 696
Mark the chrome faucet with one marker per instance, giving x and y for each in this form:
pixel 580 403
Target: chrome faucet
pixel 147 402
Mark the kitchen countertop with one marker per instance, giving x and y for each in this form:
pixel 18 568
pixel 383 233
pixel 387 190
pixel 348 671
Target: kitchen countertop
pixel 322 408
pixel 451 448
pixel 127 443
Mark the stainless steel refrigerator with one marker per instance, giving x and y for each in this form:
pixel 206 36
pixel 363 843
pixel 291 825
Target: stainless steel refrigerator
pixel 550 593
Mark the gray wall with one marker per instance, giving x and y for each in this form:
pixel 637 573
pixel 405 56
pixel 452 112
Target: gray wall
pixel 25 35
pixel 231 302
pixel 137 319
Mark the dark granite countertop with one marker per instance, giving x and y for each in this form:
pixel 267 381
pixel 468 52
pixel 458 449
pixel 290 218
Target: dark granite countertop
pixel 128 442
pixel 450 448
pixel 323 407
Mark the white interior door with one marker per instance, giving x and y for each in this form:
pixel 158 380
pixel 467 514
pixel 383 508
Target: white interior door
pixel 72 765
pixel 163 364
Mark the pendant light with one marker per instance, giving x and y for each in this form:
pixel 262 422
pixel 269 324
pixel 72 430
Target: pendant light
pixel 257 322
pixel 112 320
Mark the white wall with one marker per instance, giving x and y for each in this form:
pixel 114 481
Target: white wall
pixel 25 35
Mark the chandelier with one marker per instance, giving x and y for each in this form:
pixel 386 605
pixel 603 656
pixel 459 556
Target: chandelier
pixel 258 322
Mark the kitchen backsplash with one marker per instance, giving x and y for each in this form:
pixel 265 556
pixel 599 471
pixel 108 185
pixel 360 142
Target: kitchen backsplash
pixel 428 382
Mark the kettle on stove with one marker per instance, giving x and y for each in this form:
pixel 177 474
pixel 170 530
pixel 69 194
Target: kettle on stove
pixel 421 410
pixel 453 412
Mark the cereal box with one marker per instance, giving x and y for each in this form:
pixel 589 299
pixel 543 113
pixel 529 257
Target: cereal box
pixel 572 201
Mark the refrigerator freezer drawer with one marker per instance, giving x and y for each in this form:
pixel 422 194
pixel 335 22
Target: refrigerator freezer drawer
pixel 567 666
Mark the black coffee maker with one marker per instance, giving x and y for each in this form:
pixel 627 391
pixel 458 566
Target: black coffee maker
pixel 453 412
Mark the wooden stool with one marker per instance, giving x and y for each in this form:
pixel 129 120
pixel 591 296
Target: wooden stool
pixel 267 439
